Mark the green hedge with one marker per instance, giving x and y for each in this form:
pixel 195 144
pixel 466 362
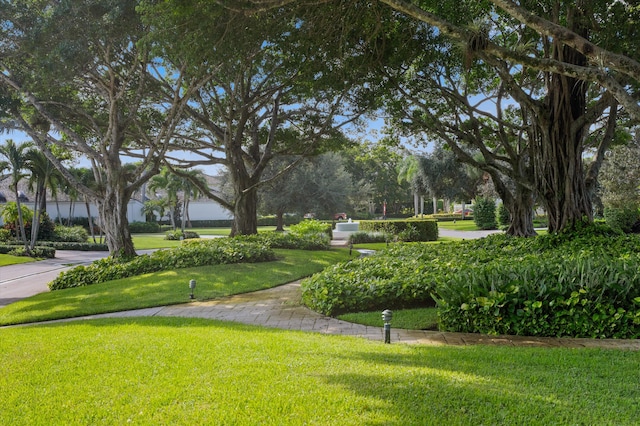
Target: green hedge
pixel 38 251
pixel 280 240
pixel 68 245
pixel 404 230
pixel 179 235
pixel 190 253
pixel 622 219
pixel 144 227
pixel 484 213
pixel 585 284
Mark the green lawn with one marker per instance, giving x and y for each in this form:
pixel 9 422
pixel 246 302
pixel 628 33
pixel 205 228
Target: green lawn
pixel 7 259
pixel 178 371
pixel 170 287
pixel 408 319
pixel 459 225
pixel 155 241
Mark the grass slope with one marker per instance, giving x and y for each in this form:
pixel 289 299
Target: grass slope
pixel 170 287
pixel 7 259
pixel 193 371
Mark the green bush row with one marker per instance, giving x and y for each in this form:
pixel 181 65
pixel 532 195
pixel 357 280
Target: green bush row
pixel 64 245
pixel 291 241
pixel 404 230
pixel 37 251
pixel 190 253
pixel 144 227
pixel 392 279
pixel 179 235
pixel 362 237
pixel 585 284
pixel 72 234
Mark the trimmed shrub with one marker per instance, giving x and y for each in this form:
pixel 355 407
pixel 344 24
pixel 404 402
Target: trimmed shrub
pixel 362 237
pixel 68 245
pixel 5 235
pixel 179 235
pixel 38 251
pixel 72 234
pixel 503 216
pixel 484 213
pixel 622 219
pixel 311 227
pixel 190 253
pixel 144 227
pixel 580 284
pixel 279 240
pixel 405 230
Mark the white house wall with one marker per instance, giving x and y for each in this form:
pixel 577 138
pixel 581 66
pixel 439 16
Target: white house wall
pixel 198 210
pixel 207 210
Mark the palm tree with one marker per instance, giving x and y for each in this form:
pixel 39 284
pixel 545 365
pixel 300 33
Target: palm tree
pixel 16 160
pixel 190 190
pixel 169 183
pixel 409 170
pixel 43 176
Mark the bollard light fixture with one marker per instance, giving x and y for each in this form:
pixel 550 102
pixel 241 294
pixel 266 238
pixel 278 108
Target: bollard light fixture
pixel 386 317
pixel 192 287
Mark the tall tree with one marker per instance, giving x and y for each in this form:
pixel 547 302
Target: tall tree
pixel 16 160
pixel 575 48
pixel 320 184
pixel 374 170
pixel 78 75
pixel 43 176
pixel 274 90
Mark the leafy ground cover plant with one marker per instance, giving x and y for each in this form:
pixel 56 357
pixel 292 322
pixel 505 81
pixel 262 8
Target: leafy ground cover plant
pixel 313 240
pixel 583 284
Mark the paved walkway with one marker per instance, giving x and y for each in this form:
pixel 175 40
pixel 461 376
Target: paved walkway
pixel 280 307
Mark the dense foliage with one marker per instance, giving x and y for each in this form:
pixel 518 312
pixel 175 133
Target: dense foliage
pixel 582 285
pixel 144 227
pixel 362 237
pixel 189 253
pixel 72 234
pixel 292 241
pixel 484 213
pixel 625 219
pixel 310 228
pixel 38 251
pixel 178 235
pixel 405 230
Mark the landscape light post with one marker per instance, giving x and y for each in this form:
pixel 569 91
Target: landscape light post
pixel 192 286
pixel 386 317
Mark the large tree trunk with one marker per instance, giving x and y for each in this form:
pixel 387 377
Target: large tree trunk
pixel 521 211
pixel 113 215
pixel 519 201
pixel 280 221
pixel 245 214
pixel 559 146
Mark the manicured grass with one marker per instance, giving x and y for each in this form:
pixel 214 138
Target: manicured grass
pixel 193 371
pixel 170 287
pixel 153 241
pixel 459 225
pixel 408 319
pixel 7 259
